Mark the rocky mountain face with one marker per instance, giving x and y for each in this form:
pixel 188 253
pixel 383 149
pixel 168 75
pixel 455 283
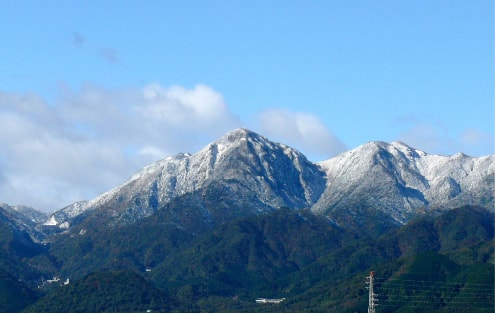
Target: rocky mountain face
pixel 404 182
pixel 249 174
pixel 242 166
pixel 22 219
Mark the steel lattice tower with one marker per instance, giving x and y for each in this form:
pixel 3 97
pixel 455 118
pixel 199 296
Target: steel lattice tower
pixel 372 298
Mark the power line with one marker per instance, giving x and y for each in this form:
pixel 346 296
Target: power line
pixel 423 283
pixel 418 294
pixel 427 281
pixel 414 286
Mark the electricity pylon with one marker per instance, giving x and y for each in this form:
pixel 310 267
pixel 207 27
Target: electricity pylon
pixel 372 299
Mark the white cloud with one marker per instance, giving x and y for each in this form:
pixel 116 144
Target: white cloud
pixel 200 109
pixel 38 157
pixel 91 140
pixel 436 138
pixel 427 137
pixel 477 142
pixel 151 152
pixel 303 131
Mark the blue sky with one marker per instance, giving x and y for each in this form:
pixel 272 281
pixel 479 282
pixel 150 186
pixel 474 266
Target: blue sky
pixel 90 91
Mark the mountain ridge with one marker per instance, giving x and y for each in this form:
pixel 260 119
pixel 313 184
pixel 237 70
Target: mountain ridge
pixel 417 179
pixel 391 177
pixel 218 162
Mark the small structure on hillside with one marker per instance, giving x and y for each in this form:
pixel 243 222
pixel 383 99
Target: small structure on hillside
pixel 55 279
pixel 265 300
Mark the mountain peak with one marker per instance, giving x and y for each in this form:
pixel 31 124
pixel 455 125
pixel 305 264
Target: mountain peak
pixel 395 148
pixel 240 134
pixel 242 161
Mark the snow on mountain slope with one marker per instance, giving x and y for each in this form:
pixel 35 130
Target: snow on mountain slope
pixel 399 180
pixel 22 218
pixel 255 173
pixel 275 173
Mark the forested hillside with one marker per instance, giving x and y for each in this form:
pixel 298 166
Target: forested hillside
pixel 432 264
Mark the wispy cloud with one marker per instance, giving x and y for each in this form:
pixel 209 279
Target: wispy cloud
pixel 304 131
pixel 477 141
pixel 108 54
pixel 78 39
pixel 435 137
pixel 428 137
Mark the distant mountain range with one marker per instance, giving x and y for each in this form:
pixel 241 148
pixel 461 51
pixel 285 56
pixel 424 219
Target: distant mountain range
pixel 246 217
pixel 250 174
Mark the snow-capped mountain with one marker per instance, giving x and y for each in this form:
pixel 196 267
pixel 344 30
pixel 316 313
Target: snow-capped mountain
pixel 259 175
pixel 400 180
pixel 242 162
pixel 22 219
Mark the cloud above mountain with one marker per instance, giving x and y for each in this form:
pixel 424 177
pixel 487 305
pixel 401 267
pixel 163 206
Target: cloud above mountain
pixel 436 137
pixel 90 140
pixel 304 131
pixel 87 141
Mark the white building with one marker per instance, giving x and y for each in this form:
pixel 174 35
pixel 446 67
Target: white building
pixel 265 300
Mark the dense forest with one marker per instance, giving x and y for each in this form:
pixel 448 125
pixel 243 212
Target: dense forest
pixel 440 263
